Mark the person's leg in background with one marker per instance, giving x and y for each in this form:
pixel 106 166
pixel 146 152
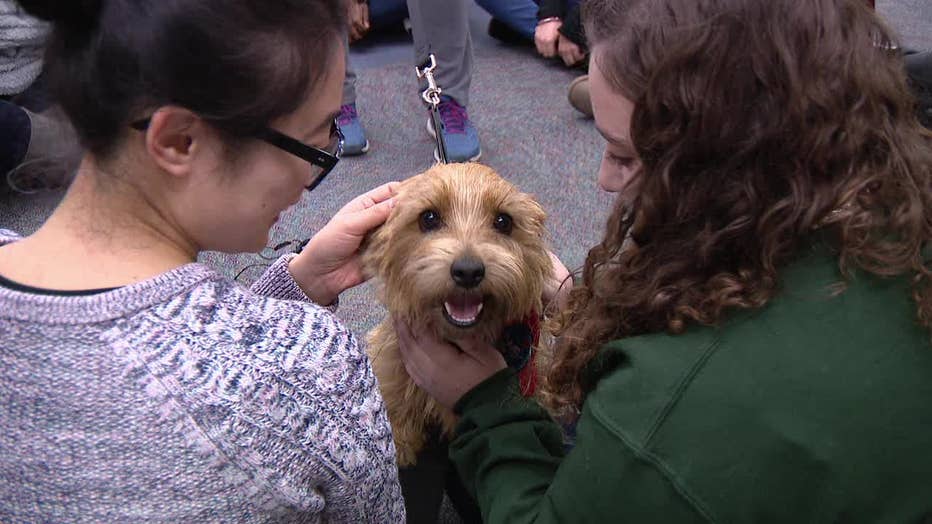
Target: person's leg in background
pixel 441 27
pixel 354 134
pixel 382 14
pixel 512 21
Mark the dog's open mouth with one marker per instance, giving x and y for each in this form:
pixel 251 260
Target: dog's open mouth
pixel 462 309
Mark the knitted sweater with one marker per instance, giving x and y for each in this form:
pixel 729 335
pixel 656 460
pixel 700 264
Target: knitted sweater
pixel 187 398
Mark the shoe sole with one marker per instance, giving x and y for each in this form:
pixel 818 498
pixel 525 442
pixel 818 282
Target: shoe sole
pixel 430 131
pixel 573 103
pixel 363 151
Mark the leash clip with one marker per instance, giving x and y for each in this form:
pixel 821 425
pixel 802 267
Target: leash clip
pixel 431 96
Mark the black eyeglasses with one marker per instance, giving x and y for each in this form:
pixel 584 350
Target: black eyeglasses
pixel 322 161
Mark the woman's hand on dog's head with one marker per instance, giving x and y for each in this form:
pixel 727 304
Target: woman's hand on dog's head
pixel 330 264
pixel 444 370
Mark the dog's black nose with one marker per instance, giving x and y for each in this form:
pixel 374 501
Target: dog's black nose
pixel 467 272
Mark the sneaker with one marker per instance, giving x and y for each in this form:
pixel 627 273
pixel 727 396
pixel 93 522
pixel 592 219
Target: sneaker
pixel 459 135
pixel 578 93
pixel 354 135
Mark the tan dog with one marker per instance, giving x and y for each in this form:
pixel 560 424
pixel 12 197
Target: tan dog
pixel 462 254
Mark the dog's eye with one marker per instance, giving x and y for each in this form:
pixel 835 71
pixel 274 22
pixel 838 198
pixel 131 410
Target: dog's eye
pixel 503 223
pixel 429 220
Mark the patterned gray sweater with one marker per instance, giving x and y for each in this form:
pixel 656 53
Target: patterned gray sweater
pixel 187 398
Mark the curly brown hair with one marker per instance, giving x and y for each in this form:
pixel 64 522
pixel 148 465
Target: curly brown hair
pixel 756 123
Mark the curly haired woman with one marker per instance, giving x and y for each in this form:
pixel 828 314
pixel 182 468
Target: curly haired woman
pixel 750 341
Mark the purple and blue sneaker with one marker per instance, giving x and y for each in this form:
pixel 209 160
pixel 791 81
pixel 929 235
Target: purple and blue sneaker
pixel 459 134
pixel 354 135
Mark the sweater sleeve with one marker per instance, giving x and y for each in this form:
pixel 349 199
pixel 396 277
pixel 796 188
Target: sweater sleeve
pixel 278 283
pixel 304 418
pixel 510 456
pixel 7 236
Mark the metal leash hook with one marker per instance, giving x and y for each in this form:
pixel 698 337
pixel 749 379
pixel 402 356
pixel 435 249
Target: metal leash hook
pixel 431 96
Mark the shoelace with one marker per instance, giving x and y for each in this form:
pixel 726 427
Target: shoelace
pixel 347 114
pixel 453 115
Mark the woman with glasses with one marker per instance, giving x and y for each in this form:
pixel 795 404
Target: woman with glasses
pixel 138 385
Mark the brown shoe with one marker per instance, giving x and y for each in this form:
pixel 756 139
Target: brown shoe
pixel 578 94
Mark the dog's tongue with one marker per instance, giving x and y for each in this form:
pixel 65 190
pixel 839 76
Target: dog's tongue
pixel 463 307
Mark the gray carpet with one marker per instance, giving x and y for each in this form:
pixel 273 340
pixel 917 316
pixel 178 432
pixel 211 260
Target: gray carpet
pixel 912 20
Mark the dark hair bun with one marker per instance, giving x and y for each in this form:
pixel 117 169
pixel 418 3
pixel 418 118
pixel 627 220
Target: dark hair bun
pixel 67 13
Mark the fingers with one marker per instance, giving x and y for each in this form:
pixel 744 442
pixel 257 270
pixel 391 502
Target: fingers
pixel 580 55
pixel 546 39
pixel 541 46
pixel 560 272
pixel 550 48
pixel 371 198
pixel 364 12
pixel 364 220
pixel 480 351
pixel 407 345
pixel 405 337
pixel 570 52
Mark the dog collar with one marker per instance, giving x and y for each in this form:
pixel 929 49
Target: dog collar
pixel 517 346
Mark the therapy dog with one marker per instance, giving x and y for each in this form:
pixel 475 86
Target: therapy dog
pixel 463 254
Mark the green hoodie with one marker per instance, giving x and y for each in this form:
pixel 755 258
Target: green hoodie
pixel 816 408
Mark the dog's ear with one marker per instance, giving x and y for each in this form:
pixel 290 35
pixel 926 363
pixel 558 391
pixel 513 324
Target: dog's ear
pixel 374 244
pixel 531 213
pixel 532 224
pixel 367 251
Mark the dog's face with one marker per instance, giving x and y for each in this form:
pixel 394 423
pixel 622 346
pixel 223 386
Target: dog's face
pixel 463 253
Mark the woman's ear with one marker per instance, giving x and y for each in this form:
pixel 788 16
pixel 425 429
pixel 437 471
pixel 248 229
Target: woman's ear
pixel 174 136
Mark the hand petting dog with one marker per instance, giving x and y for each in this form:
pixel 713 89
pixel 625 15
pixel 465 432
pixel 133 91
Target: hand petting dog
pixel 330 263
pixel 444 370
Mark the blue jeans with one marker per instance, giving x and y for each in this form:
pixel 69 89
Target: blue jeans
pixel 519 15
pixel 383 13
